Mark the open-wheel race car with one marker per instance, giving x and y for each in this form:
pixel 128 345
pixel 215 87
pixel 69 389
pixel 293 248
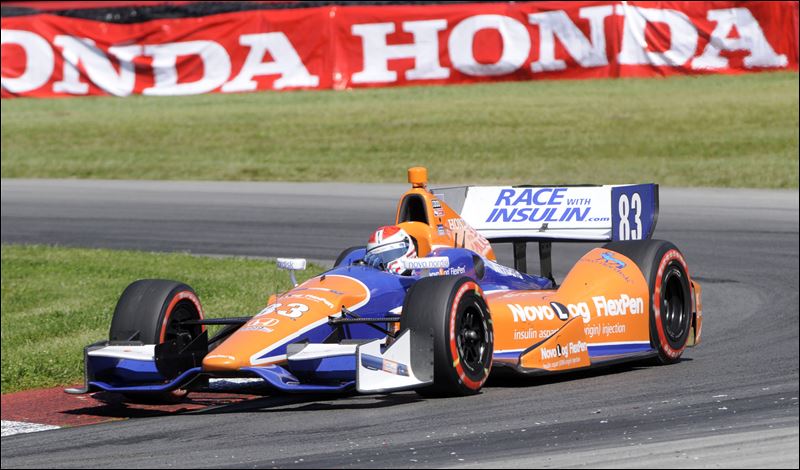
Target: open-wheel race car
pixel 442 318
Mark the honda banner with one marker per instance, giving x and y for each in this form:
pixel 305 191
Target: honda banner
pixel 339 47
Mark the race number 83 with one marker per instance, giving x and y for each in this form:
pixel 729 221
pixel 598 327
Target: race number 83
pixel 295 310
pixel 630 229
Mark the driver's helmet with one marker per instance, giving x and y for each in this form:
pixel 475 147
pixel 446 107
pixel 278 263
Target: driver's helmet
pixel 388 247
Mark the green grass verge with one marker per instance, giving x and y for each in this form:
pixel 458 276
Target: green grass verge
pixel 57 300
pixel 735 131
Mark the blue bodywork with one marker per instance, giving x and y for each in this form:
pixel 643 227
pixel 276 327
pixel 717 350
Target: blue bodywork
pixel 334 374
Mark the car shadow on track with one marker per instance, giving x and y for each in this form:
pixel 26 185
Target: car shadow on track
pixel 114 406
pixel 506 378
pixel 328 402
pixel 110 406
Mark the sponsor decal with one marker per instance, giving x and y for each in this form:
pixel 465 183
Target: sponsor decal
pixel 624 305
pixel 528 334
pixel 562 311
pixel 438 211
pixel 603 307
pixel 500 269
pixel 526 313
pixel 532 333
pixel 452 270
pixel 609 258
pixel 605 330
pixel 544 205
pixel 440 229
pixel 432 262
pixel 468 236
pixel 457 224
pixel 563 350
pixel 264 324
pixel 377 363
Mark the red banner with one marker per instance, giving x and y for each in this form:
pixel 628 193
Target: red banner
pixel 366 46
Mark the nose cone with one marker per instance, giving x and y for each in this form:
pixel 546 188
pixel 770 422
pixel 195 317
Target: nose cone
pixel 221 363
pixel 295 316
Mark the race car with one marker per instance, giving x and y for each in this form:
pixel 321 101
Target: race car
pixel 440 321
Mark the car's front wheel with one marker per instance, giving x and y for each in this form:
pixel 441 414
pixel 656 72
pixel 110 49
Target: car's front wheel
pixel 453 309
pixel 151 311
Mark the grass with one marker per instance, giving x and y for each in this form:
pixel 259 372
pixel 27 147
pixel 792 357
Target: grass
pixel 733 131
pixel 57 300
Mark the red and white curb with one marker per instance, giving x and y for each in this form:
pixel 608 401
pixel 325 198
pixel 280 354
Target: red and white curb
pixel 48 409
pixel 19 427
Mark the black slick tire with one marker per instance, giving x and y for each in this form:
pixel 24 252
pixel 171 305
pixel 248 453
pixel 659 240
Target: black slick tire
pixel 454 310
pixel 150 311
pixel 671 306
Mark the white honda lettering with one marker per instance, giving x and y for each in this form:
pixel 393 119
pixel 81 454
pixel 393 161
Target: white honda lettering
pixel 39 61
pixel 285 62
pixel 377 53
pixel 516 45
pixel 216 67
pixel 586 52
pixel 683 37
pixel 97 65
pixel 751 38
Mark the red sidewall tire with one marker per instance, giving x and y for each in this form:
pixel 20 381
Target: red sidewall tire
pixel 453 309
pixel 672 273
pixel 667 275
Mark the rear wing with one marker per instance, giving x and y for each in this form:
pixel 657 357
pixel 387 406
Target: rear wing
pixel 557 213
pixel 547 214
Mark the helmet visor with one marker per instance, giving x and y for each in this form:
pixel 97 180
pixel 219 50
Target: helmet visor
pixel 381 257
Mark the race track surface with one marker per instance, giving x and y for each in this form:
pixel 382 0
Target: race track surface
pixel 733 401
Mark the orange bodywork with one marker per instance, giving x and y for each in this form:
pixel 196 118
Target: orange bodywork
pixel 301 309
pixel 561 351
pixel 444 228
pixel 574 316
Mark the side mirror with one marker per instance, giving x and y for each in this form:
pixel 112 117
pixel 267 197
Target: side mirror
pixel 292 265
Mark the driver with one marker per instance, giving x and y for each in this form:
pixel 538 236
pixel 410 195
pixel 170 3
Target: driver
pixel 388 247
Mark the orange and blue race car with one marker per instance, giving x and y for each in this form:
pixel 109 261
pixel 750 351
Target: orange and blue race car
pixel 443 319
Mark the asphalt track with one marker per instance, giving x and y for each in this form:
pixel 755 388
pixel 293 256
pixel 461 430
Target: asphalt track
pixel 731 402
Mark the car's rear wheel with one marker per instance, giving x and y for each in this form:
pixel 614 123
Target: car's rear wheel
pixel 667 275
pixel 453 309
pixel 151 311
